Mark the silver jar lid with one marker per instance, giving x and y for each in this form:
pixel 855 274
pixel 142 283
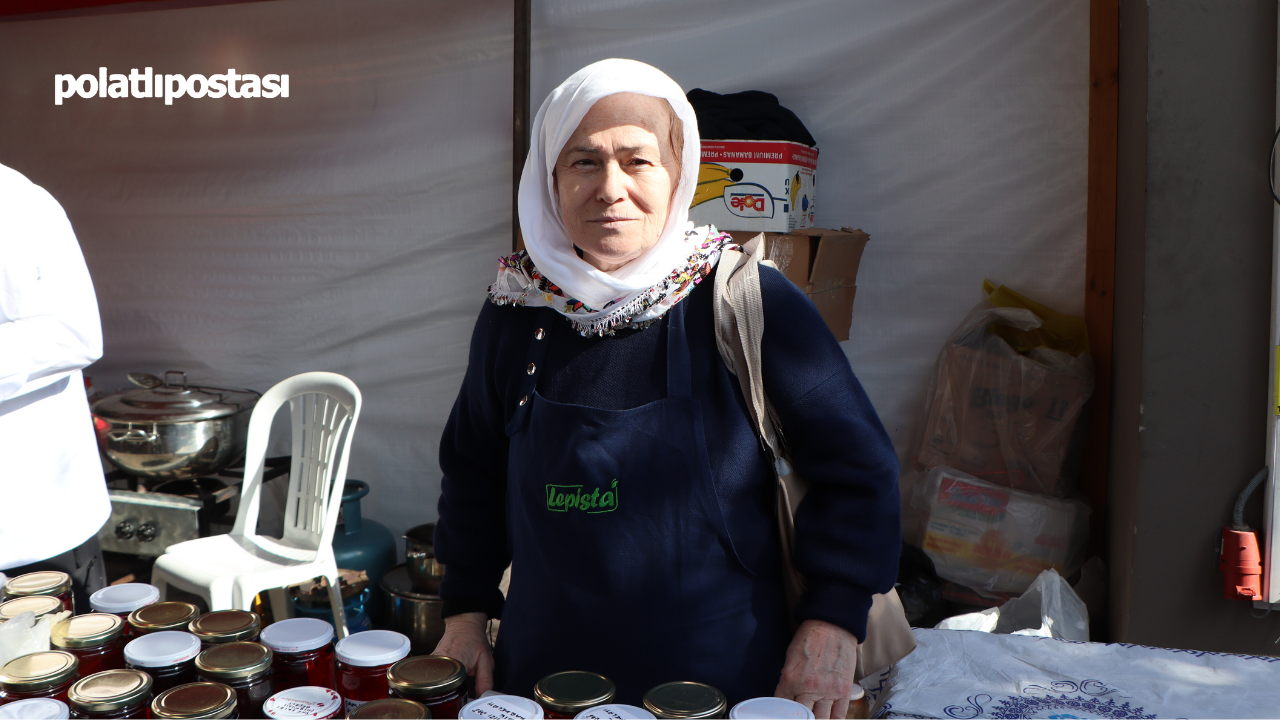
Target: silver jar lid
pixel 173 400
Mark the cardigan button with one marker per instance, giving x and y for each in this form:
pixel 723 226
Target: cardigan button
pixel 524 400
pixel 539 334
pixel 531 368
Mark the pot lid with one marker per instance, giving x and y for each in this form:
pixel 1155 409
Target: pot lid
pixel 174 401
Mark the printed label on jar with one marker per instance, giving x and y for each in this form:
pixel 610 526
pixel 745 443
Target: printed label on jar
pixel 349 705
pixel 502 707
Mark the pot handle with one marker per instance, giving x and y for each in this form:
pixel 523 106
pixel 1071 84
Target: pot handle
pixel 132 435
pixel 167 373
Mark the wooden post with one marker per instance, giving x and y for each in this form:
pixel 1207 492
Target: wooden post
pixel 1100 252
pixel 520 112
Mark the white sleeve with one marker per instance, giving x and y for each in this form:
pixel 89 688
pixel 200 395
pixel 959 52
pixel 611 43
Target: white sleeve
pixel 49 322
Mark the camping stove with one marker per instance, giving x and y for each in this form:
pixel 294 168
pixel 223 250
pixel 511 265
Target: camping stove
pixel 148 516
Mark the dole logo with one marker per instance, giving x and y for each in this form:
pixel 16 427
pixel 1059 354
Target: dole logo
pixel 749 200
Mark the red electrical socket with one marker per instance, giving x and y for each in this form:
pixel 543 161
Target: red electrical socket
pixel 1241 564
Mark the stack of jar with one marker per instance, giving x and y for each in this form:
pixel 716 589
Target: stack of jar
pixel 135 657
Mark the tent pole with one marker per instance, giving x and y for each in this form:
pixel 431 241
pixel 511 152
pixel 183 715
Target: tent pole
pixel 520 113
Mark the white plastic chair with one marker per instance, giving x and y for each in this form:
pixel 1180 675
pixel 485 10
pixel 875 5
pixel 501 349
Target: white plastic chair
pixel 229 570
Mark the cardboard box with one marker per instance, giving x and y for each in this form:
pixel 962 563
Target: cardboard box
pixel 761 185
pixel 822 263
pixel 1008 420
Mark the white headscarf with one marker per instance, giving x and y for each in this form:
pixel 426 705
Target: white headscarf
pixel 545 237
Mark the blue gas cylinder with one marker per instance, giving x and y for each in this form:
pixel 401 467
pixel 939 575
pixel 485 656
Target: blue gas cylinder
pixel 360 543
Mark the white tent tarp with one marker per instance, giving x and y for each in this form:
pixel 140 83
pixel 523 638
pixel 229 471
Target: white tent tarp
pixel 354 226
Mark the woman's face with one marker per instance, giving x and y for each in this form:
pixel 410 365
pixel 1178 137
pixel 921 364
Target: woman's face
pixel 615 177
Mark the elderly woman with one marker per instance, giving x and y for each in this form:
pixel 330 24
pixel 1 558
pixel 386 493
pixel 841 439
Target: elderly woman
pixel 601 447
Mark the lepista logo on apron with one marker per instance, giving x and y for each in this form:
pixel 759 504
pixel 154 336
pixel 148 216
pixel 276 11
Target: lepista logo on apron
pixel 563 498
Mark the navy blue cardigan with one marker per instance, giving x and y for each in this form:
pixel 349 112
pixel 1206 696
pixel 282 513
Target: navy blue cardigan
pixel 848 532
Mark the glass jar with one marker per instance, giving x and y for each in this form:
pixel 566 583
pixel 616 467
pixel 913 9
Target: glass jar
pixel 111 694
pixel 242 666
pixel 513 707
pixel 123 599
pixel 96 639
pixel 224 626
pixel 616 711
pixel 391 708
pixel 40 605
pixel 168 656
pixel 162 616
pixel 433 680
pixel 685 700
pixel 302 650
pixel 47 674
pixel 196 701
pixel 313 703
pixel 50 583
pixel 565 694
pixel 859 704
pixel 363 661
pixel 763 708
pixel 35 709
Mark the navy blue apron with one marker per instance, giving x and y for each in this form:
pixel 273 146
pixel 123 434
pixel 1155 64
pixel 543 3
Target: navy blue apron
pixel 621 560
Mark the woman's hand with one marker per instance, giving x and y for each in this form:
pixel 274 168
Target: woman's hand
pixel 466 641
pixel 819 669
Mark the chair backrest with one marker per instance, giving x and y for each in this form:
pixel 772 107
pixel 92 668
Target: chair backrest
pixel 325 408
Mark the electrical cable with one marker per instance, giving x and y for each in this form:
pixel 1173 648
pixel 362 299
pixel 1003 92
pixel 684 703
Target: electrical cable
pixel 1271 175
pixel 1237 515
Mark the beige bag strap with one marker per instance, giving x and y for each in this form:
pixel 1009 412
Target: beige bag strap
pixel 739 322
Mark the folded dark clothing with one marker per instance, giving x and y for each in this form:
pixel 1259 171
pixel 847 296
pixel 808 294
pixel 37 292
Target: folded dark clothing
pixel 748 115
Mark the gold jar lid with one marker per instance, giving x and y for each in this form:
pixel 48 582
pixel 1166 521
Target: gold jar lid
pixel 685 700
pixel 224 626
pixel 163 616
pixel 234 660
pixel 109 690
pixel 45 582
pixel 573 691
pixel 89 630
pixel 426 675
pixel 38 671
pixel 390 708
pixel 195 700
pixel 41 605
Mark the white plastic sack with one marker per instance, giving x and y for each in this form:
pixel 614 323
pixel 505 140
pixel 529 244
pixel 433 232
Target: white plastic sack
pixel 1049 608
pixel 23 635
pixel 970 675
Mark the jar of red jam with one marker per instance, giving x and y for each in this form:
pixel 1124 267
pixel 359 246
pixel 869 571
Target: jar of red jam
pixel 391 708
pixel 39 675
pixel 196 701
pixel 224 626
pixel 363 661
pixel 96 639
pixel 510 707
pixel 123 599
pixel 312 703
pixel 242 666
pixel 302 653
pixel 615 711
pixel 40 605
pixel 685 700
pixel 111 694
pixel 50 583
pixel 35 709
pixel 565 694
pixel 168 656
pixel 162 616
pixel 433 680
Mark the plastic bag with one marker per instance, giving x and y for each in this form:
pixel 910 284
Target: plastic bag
pixel 1006 396
pixel 1049 608
pixel 24 635
pixel 994 538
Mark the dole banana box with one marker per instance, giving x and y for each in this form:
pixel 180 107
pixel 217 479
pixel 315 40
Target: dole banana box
pixel 758 185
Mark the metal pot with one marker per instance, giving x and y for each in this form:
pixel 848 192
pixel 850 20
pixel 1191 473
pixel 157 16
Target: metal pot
pixel 415 614
pixel 171 430
pixel 420 558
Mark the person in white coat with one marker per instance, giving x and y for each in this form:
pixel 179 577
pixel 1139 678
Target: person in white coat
pixel 53 498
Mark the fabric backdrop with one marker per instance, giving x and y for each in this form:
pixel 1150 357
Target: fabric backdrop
pixel 354 226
